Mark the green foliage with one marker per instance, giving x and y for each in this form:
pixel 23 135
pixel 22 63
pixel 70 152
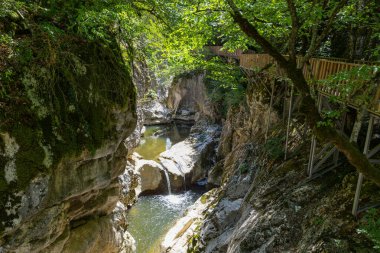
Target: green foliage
pixel 194 245
pixel 204 198
pixel 151 94
pixel 318 221
pixel 243 168
pixel 330 117
pixel 274 147
pixel 98 25
pixel 226 84
pixel 370 226
pixel 9 8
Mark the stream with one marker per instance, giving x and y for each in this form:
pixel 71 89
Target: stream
pixel 159 138
pixel 152 216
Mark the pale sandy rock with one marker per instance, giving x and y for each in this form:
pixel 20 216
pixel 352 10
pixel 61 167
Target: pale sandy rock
pixel 150 173
pixel 155 113
pixel 177 238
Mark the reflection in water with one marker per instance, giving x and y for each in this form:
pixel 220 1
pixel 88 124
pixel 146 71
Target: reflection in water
pixel 152 216
pixel 157 139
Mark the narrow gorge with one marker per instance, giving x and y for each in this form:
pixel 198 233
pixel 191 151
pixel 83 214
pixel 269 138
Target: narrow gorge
pixel 154 126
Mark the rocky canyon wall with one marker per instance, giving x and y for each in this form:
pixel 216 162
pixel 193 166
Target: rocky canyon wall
pixel 265 204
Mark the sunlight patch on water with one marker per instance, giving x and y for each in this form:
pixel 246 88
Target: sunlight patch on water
pixel 151 145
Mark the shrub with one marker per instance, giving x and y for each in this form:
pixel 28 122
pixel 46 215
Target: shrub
pixel 274 147
pixel 151 94
pixel 370 226
pixel 243 168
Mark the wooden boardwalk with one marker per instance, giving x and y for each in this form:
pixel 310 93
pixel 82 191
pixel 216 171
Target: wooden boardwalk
pixel 317 69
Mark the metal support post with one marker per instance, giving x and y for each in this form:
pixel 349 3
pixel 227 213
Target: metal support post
pixel 289 118
pixel 360 179
pixel 314 142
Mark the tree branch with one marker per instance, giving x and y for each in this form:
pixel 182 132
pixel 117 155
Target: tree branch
pixel 294 31
pixel 208 10
pixel 152 12
pixel 253 33
pixel 316 42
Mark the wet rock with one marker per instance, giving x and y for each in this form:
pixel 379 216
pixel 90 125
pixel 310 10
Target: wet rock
pixel 151 176
pixel 184 229
pixel 189 160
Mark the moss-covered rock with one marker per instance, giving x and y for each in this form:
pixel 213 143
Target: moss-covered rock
pixel 66 105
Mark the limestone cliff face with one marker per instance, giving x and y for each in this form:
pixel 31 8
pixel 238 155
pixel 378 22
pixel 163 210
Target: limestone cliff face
pixel 62 150
pixel 152 94
pixel 187 98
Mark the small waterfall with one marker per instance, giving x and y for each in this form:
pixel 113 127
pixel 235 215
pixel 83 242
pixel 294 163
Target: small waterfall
pixel 168 143
pixel 168 182
pixel 184 181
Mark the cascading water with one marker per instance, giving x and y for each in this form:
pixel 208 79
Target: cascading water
pixel 168 182
pixel 168 146
pixel 168 143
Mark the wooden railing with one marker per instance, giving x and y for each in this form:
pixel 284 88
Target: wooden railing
pixel 316 69
pixel 217 50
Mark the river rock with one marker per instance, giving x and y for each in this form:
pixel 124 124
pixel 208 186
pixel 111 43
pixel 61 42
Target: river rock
pixel 151 176
pixel 189 160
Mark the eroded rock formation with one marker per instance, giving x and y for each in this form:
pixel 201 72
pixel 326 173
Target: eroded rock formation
pixel 187 98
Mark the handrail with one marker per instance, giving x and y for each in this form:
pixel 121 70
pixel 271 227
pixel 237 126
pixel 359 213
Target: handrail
pixel 316 68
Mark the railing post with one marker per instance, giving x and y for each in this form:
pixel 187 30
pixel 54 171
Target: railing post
pixel 360 179
pixel 270 111
pixel 289 118
pixel 314 141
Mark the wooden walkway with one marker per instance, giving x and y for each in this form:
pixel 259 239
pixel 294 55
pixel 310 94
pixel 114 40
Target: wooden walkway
pixel 317 69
